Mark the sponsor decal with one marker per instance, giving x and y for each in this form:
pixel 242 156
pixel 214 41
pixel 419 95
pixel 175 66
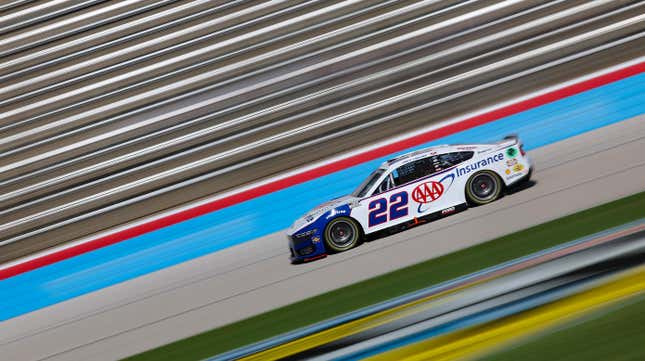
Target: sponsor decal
pixel 378 209
pixel 514 175
pixel 515 167
pixel 479 164
pixel 315 240
pixel 305 234
pixel 335 212
pixel 448 210
pixel 511 152
pixel 428 192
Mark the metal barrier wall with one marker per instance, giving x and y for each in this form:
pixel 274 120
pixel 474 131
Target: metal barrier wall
pixel 115 110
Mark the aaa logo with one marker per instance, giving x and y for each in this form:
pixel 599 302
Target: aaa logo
pixel 427 192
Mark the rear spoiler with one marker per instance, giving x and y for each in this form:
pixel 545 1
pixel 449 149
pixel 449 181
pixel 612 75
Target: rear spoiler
pixel 512 139
pixel 508 140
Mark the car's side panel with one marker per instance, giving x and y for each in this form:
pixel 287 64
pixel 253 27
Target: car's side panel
pixel 437 192
pixel 414 200
pixel 441 191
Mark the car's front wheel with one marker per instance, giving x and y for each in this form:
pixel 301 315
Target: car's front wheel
pixel 483 187
pixel 342 234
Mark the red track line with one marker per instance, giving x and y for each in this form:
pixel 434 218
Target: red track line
pixel 322 170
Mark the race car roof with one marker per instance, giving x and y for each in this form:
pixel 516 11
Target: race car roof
pixel 434 150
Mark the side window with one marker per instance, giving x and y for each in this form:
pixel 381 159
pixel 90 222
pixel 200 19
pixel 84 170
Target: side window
pixel 421 168
pixel 414 170
pixel 447 160
pixel 385 185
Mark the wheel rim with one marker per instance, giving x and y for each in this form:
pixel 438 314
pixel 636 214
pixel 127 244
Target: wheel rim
pixel 483 187
pixel 341 234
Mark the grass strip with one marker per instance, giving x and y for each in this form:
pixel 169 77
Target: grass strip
pixel 401 281
pixel 615 334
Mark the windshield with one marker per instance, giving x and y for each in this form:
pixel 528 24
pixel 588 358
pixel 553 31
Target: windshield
pixel 367 184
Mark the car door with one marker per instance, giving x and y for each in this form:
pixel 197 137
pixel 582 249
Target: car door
pixel 441 190
pixel 389 203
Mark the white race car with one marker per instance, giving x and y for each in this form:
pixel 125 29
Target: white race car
pixel 409 189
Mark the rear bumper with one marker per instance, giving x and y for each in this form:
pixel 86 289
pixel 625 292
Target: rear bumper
pixel 521 180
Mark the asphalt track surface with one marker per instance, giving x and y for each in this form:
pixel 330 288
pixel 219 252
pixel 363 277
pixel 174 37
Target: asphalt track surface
pixel 255 277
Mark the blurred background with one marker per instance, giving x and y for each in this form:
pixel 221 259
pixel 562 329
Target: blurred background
pixel 152 154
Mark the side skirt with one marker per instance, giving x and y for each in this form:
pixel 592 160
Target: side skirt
pixel 418 221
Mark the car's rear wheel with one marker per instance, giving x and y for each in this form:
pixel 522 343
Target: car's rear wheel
pixel 483 187
pixel 342 234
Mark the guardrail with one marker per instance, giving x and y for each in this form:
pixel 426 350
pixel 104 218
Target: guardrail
pixel 111 112
pixel 525 264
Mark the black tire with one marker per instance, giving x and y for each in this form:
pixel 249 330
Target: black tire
pixel 483 187
pixel 341 234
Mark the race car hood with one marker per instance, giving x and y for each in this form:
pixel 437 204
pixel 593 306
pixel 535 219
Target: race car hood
pixel 318 211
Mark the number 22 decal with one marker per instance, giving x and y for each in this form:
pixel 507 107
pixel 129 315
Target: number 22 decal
pixel 378 210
